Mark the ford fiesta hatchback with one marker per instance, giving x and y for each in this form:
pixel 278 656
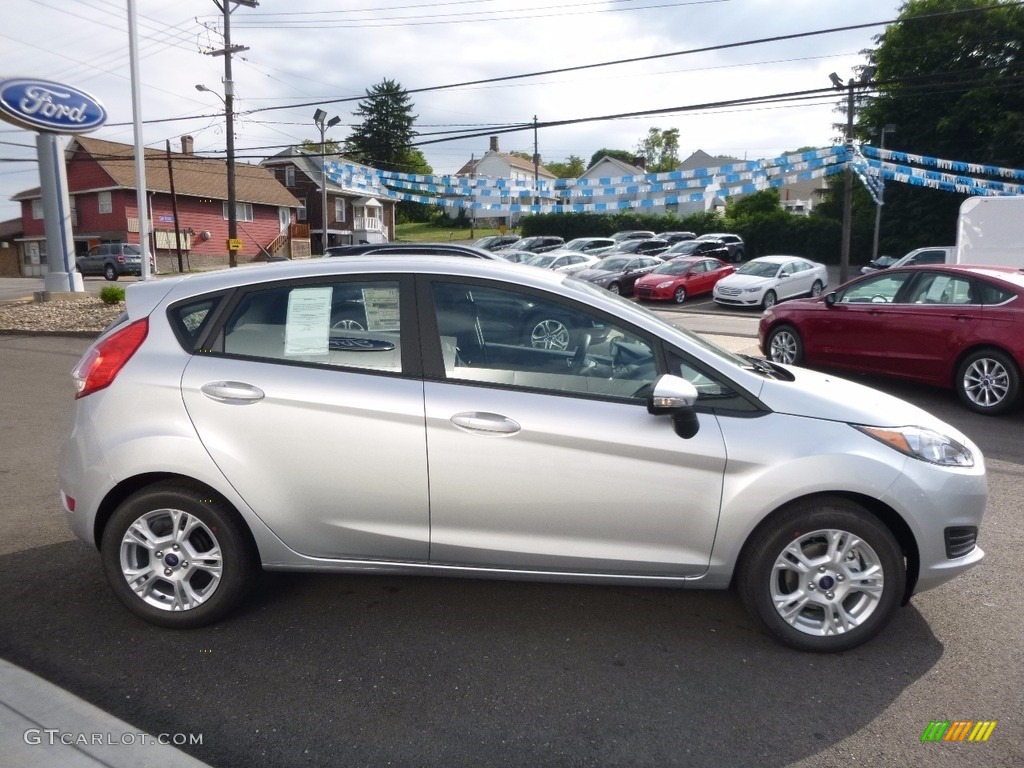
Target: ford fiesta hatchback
pixel 450 416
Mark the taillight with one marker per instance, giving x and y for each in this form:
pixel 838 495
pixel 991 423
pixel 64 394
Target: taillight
pixel 120 259
pixel 104 361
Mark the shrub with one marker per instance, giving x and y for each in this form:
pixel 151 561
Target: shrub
pixel 112 294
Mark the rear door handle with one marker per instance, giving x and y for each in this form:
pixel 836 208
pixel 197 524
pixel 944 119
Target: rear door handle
pixel 487 423
pixel 232 392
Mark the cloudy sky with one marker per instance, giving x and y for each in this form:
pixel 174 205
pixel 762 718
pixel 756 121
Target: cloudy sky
pixel 305 53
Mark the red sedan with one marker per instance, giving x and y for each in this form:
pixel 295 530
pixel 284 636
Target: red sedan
pixel 681 278
pixel 953 326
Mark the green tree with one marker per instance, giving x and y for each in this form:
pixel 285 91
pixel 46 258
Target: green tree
pixel 384 136
pixel 661 149
pixel 571 169
pixel 331 147
pixel 619 154
pixel 950 86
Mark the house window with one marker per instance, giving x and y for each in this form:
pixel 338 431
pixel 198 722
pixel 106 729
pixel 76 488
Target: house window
pixel 243 211
pixel 106 205
pixel 339 209
pixel 301 213
pixel 37 209
pixel 289 175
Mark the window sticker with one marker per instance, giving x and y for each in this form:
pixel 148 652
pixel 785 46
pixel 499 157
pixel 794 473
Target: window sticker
pixel 381 306
pixel 308 326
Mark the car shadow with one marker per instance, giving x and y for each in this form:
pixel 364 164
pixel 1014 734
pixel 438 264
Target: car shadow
pixel 339 670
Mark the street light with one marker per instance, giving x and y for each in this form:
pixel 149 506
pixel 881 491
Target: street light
pixel 229 116
pixel 844 257
pixel 319 117
pixel 888 128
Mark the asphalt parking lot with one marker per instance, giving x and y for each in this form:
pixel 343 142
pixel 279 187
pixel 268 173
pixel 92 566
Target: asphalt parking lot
pixel 340 670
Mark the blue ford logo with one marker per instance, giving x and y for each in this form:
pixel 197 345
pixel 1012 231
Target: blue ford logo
pixel 42 105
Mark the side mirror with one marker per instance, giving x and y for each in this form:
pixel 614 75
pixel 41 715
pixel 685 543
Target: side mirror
pixel 675 397
pixel 830 299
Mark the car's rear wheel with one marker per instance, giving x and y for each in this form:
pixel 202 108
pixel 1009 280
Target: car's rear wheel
pixel 785 345
pixel 176 556
pixel 109 272
pixel 738 256
pixel 822 575
pixel 680 295
pixel 988 382
pixel 769 300
pixel 816 288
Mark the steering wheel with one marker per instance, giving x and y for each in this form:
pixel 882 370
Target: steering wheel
pixel 579 358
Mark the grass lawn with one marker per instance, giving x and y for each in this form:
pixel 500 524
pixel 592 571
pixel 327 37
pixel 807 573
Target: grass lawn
pixel 425 233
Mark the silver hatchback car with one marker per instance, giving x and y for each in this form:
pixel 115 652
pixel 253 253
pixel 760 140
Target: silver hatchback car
pixel 449 416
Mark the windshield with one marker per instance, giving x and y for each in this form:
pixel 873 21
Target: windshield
pixel 759 268
pixel 578 244
pixel 541 261
pixel 685 247
pixel 613 263
pixel 672 268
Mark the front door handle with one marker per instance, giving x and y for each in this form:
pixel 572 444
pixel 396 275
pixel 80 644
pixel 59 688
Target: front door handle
pixel 487 423
pixel 232 392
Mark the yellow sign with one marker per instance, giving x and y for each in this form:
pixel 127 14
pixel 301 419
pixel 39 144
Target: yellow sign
pixel 234 245
pixel 502 228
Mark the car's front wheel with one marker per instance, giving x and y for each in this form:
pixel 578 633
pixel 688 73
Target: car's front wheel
pixel 680 295
pixel 988 382
pixel 816 288
pixel 109 272
pixel 769 300
pixel 615 288
pixel 785 346
pixel 176 556
pixel 822 575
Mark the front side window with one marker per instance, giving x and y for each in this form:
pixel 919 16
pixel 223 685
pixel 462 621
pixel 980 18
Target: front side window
pixel 878 289
pixel 351 324
pixel 501 336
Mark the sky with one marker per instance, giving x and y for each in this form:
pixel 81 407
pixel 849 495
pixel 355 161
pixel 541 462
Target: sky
pixel 307 54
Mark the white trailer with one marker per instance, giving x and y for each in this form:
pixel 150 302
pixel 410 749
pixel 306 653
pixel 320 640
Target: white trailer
pixel 990 230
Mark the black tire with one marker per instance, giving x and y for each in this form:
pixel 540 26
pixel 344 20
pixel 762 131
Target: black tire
pixel 738 256
pixel 822 527
pixel 784 345
pixel 109 272
pixel 615 288
pixel 988 382
pixel 187 559
pixel 679 297
pixel 816 289
pixel 770 300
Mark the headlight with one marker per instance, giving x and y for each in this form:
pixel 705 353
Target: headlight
pixel 753 290
pixel 665 284
pixel 921 443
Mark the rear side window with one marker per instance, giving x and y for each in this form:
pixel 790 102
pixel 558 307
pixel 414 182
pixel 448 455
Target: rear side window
pixel 993 294
pixel 191 319
pixel 345 324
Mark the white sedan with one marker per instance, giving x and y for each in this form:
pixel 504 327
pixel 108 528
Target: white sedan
pixel 763 282
pixel 569 262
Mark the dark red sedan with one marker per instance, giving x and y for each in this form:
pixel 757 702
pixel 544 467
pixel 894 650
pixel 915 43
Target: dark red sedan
pixel 681 278
pixel 953 326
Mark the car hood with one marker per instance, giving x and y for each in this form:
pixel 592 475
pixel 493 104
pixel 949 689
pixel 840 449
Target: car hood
pixel 832 398
pixel 595 274
pixel 736 280
pixel 652 279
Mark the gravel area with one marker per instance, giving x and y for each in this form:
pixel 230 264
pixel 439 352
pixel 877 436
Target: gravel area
pixel 80 316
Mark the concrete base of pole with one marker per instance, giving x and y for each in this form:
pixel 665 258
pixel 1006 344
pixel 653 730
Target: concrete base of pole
pixel 57 282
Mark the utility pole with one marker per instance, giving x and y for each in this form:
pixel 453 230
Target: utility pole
pixel 227 8
pixel 536 165
pixel 174 209
pixel 890 128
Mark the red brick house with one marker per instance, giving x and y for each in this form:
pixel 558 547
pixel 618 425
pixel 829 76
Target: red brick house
pixel 102 189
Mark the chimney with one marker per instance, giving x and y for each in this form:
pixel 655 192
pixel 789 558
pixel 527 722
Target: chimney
pixel 640 162
pixel 494 144
pixel 186 145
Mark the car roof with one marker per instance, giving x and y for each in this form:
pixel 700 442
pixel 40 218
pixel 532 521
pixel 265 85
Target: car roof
pixel 408 248
pixel 779 258
pixel 1012 275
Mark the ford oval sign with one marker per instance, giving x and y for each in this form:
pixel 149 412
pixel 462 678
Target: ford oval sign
pixel 41 105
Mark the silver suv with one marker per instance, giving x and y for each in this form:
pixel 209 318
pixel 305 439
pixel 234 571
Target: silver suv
pixel 407 416
pixel 112 260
